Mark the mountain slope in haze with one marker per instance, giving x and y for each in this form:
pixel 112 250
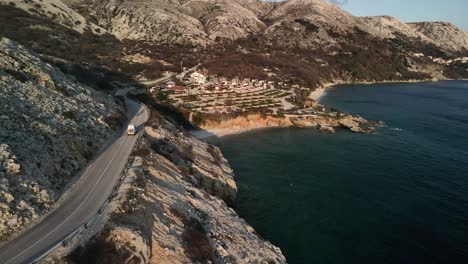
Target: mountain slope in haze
pixel 444 34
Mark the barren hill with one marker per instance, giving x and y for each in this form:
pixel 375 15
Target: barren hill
pixel 292 23
pixel 444 34
pixel 391 27
pixel 193 22
pixel 57 11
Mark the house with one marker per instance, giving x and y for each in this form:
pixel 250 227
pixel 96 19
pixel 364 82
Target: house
pixel 214 79
pixel 170 84
pixel 176 89
pixel 235 82
pixel 198 77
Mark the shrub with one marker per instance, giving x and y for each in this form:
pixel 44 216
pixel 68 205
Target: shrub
pixel 20 76
pixel 307 25
pixel 69 114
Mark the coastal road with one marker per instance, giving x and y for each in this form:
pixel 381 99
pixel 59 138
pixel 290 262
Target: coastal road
pixel 83 201
pixel 167 78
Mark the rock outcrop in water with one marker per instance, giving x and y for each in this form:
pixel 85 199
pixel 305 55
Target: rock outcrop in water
pixel 325 122
pixel 50 127
pixel 172 209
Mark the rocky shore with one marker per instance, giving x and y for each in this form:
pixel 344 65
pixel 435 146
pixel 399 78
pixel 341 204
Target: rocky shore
pixel 173 208
pixel 326 122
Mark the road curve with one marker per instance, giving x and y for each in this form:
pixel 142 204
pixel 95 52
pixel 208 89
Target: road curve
pixel 83 201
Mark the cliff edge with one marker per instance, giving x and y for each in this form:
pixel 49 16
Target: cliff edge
pixel 172 208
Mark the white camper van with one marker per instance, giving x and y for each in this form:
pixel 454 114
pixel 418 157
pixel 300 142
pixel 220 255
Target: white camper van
pixel 131 129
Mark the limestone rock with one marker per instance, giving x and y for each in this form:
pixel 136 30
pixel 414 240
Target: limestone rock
pixel 326 129
pixel 50 126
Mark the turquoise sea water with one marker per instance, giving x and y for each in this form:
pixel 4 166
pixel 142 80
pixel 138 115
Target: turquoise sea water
pixel 398 196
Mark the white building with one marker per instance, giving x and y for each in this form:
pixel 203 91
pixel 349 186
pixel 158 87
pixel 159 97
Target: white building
pixel 170 84
pixel 198 78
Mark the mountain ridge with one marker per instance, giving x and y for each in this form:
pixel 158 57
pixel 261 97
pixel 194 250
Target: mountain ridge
pixel 209 22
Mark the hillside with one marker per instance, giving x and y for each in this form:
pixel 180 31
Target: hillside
pixel 51 126
pixel 142 39
pixel 444 34
pixel 194 22
pixel 56 11
pixel 311 24
pixel 391 27
pixel 308 24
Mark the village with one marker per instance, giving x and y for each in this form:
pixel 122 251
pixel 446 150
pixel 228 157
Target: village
pixel 442 61
pixel 204 93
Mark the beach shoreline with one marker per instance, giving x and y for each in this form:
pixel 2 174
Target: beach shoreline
pixel 320 91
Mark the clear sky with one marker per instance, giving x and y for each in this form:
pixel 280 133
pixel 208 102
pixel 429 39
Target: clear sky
pixel 455 11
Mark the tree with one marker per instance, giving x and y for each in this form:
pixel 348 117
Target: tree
pixel 162 96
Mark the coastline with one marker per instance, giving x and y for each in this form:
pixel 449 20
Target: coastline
pixel 322 89
pixel 232 127
pixel 240 125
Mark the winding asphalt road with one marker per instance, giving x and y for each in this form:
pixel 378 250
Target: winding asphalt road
pixel 83 201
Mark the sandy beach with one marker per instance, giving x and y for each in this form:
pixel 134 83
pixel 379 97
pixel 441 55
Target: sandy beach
pixel 319 92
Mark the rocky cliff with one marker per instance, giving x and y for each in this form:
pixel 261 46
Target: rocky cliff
pixel 172 208
pixel 50 127
pixel 325 122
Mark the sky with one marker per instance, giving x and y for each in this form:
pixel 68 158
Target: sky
pixel 455 11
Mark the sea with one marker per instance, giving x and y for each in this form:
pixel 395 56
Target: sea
pixel 397 196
